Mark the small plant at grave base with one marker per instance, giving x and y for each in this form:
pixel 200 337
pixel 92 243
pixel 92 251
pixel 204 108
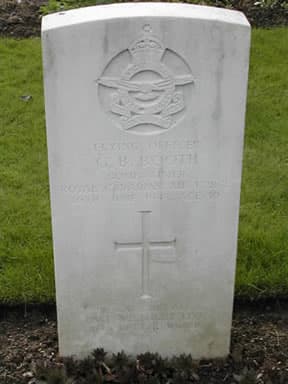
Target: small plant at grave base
pixel 71 366
pixel 120 360
pixel 183 369
pixel 183 362
pixel 146 361
pixel 52 375
pixel 99 355
pixel 147 368
pixel 88 372
pixel 151 368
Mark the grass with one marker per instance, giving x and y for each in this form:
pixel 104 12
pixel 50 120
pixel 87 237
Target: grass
pixel 26 264
pixel 263 235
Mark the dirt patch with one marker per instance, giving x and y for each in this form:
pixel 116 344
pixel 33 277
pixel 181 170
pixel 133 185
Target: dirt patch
pixel 22 18
pixel 259 355
pixel 262 13
pixel 25 342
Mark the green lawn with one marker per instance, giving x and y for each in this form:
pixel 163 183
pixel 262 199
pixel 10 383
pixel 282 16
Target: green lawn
pixel 26 266
pixel 263 238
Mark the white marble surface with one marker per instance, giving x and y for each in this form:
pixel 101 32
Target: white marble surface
pixel 145 107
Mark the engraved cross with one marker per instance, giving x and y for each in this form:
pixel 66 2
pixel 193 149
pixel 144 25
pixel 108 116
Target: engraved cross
pixel 146 246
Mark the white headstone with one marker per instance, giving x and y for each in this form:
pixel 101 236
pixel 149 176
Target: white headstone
pixel 145 107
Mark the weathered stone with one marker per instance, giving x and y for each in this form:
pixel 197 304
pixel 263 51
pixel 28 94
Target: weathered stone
pixel 145 108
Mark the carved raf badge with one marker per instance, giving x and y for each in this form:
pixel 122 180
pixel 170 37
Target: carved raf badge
pixel 145 88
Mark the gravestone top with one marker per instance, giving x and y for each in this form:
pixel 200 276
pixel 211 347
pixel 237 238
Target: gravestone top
pixel 145 108
pixel 132 10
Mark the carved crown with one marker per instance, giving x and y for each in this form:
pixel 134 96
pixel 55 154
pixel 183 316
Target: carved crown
pixel 147 46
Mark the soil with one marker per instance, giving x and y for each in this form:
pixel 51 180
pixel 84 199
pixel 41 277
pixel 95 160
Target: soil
pixel 259 354
pixel 22 18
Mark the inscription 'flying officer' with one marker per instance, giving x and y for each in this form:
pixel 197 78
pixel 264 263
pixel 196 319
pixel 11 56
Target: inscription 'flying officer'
pixel 147 92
